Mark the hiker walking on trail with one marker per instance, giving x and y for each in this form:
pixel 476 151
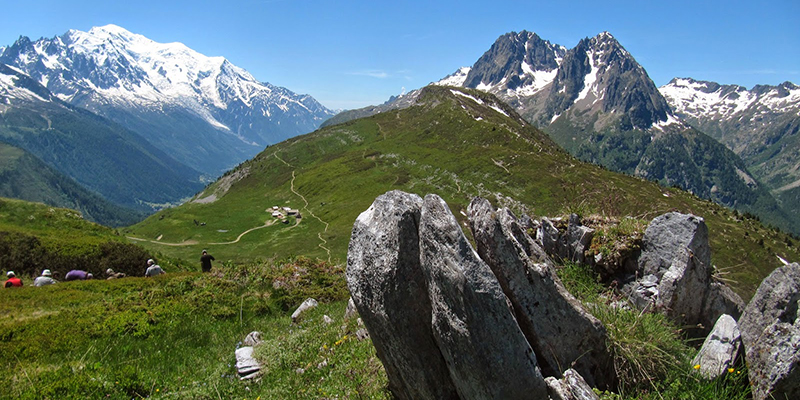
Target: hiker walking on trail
pixel 77 275
pixel 45 279
pixel 205 261
pixel 153 269
pixel 12 281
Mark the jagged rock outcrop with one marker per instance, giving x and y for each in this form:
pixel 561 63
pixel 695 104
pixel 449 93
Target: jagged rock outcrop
pixel 720 349
pixel 571 387
pixel 675 270
pixel 560 331
pixel 390 293
pixel 569 245
pixel 770 327
pixel 486 352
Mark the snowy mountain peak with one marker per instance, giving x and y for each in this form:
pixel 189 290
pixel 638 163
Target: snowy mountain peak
pixel 599 75
pixel 517 65
pixel 455 79
pixel 109 69
pixel 703 99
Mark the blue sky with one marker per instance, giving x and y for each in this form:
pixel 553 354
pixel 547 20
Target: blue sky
pixel 351 54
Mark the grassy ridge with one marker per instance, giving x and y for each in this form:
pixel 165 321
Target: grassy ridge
pixel 447 144
pixel 34 236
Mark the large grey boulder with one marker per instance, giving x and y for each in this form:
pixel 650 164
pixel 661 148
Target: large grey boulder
pixel 487 353
pixel 770 327
pixel 720 349
pixel 560 331
pixel 390 293
pixel 571 387
pixel 676 255
pixel 676 251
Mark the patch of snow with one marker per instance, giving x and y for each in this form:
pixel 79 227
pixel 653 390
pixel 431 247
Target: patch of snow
pixel 589 80
pixel 484 87
pixel 540 80
pixel 671 120
pixel 462 94
pixel 498 109
pixel 455 79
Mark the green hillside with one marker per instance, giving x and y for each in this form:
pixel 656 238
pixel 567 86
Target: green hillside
pixel 446 144
pixel 34 236
pixel 23 176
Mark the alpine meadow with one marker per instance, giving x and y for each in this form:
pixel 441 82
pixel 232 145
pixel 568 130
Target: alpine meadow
pixel 546 223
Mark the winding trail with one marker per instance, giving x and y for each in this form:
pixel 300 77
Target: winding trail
pixel 268 223
pixel 324 242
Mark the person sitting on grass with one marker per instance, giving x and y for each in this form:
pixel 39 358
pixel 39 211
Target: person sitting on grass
pixel 45 279
pixel 12 281
pixel 114 275
pixel 153 269
pixel 77 275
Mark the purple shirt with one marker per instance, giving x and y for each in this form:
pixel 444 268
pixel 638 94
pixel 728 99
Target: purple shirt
pixel 75 275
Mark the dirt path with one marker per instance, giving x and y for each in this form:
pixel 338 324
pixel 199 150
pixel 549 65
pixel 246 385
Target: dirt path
pixel 184 243
pixel 324 242
pixel 270 222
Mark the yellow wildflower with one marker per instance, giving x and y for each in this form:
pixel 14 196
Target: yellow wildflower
pixel 730 370
pixel 697 366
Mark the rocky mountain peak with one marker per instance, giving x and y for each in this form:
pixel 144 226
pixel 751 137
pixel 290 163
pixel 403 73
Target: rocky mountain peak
pixel 600 75
pixel 519 64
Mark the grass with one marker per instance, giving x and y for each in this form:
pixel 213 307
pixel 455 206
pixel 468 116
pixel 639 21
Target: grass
pixel 174 337
pixel 651 357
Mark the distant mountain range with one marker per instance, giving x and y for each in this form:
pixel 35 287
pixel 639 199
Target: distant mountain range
pixel 204 111
pixel 761 125
pixel 100 155
pixel 599 104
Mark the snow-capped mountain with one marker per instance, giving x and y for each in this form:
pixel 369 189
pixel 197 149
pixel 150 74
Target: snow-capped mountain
pixel 517 65
pixel 713 106
pixel 598 103
pixel 100 155
pixel 762 125
pixel 208 112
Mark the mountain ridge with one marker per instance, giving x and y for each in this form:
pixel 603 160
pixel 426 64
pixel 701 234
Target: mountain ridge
pixel 173 96
pixel 456 142
pixel 100 155
pixel 599 104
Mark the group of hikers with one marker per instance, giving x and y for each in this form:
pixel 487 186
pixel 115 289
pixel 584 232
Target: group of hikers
pixel 46 278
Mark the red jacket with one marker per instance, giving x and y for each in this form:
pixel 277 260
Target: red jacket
pixel 13 282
